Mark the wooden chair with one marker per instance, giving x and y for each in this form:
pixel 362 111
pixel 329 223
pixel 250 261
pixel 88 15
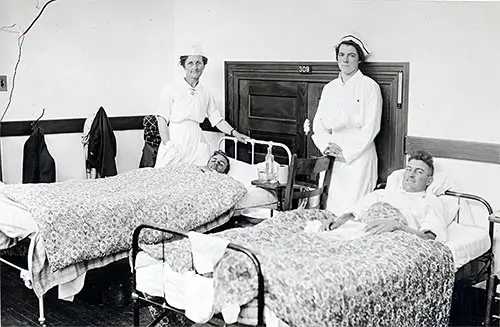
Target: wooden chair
pixel 304 178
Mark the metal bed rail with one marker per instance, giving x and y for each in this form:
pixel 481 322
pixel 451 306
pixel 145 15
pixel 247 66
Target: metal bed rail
pixel 491 231
pixel 252 143
pixel 26 276
pixel 136 297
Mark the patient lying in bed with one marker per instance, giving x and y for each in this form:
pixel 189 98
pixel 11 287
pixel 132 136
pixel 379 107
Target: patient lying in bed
pixel 218 162
pixel 422 210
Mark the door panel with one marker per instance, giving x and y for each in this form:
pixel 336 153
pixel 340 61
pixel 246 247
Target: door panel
pixel 270 110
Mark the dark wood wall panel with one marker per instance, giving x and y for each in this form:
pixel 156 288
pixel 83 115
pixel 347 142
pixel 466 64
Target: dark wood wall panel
pixel 75 125
pixel 452 149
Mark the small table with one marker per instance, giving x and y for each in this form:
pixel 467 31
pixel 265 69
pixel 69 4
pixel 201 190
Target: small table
pixel 276 187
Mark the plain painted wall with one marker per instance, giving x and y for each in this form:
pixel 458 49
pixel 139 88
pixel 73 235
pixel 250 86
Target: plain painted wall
pixel 78 56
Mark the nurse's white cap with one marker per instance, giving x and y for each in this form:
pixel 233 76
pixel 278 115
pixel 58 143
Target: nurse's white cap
pixel 356 39
pixel 192 50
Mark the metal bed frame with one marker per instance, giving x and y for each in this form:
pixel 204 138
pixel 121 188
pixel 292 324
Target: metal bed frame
pixel 137 297
pixel 252 143
pixel 25 275
pixel 479 269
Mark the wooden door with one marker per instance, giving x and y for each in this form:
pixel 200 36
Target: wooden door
pixel 271 101
pixel 271 110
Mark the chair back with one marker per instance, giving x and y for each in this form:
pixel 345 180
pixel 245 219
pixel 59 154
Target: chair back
pixel 304 181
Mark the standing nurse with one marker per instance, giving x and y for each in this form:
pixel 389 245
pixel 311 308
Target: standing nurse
pixel 183 106
pixel 345 126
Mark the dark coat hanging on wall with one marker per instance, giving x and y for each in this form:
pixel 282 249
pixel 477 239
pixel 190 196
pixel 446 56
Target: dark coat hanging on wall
pixel 102 146
pixel 38 164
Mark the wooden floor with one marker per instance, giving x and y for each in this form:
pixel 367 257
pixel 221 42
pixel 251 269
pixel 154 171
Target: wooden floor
pixel 102 302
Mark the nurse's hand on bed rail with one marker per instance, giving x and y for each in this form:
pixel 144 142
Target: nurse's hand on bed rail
pixel 241 137
pixel 335 223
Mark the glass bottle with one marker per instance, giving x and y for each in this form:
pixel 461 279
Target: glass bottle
pixel 271 173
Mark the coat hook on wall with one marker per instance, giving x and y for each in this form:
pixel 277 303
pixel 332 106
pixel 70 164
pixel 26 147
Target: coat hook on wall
pixel 35 123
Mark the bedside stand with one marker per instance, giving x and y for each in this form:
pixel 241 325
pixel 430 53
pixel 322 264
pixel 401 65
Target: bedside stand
pixel 276 188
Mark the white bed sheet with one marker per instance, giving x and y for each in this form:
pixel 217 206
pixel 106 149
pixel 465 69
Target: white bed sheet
pixel 467 243
pixel 16 222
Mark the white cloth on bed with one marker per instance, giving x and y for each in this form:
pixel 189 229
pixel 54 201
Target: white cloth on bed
pixel 207 250
pixel 350 230
pixel 16 222
pixel 189 291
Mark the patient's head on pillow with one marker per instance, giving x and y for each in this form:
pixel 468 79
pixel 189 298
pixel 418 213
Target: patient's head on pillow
pixel 419 171
pixel 219 162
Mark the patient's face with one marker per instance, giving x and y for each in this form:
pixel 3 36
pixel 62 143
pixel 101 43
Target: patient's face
pixel 417 176
pixel 218 163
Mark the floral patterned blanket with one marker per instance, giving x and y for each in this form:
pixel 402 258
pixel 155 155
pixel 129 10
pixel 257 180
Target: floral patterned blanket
pixel 88 219
pixel 311 279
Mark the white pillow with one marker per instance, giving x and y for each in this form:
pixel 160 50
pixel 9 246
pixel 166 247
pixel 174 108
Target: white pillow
pixel 243 172
pixel 440 183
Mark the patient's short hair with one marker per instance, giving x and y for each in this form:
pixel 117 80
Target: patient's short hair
pixel 222 153
pixel 424 156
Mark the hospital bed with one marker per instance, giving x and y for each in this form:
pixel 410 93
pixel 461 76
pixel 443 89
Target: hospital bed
pixel 465 260
pixel 43 272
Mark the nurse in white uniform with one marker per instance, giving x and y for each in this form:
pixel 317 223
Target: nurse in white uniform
pixel 345 126
pixel 183 105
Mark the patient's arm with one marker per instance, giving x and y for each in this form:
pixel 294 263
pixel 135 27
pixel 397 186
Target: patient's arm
pixel 378 226
pixel 335 223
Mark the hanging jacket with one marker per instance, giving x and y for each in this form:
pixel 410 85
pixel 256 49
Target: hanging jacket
pixel 38 164
pixel 152 141
pixel 101 151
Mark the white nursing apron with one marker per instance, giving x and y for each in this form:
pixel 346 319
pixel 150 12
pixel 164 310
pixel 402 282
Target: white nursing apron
pixel 187 144
pixel 352 181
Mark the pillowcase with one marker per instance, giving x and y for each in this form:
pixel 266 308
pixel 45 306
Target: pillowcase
pixel 440 184
pixel 243 172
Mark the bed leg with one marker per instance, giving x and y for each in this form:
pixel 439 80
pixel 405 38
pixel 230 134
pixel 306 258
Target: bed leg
pixel 135 306
pixel 491 292
pixel 41 318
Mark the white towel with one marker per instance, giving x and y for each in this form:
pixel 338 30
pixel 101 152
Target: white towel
pixel 230 313
pixel 350 230
pixel 67 291
pixel 176 286
pixel 200 295
pixel 199 290
pixel 207 250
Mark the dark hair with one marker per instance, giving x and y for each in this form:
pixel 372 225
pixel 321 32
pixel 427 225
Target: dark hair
pixel 424 156
pixel 182 60
pixel 225 157
pixel 360 52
